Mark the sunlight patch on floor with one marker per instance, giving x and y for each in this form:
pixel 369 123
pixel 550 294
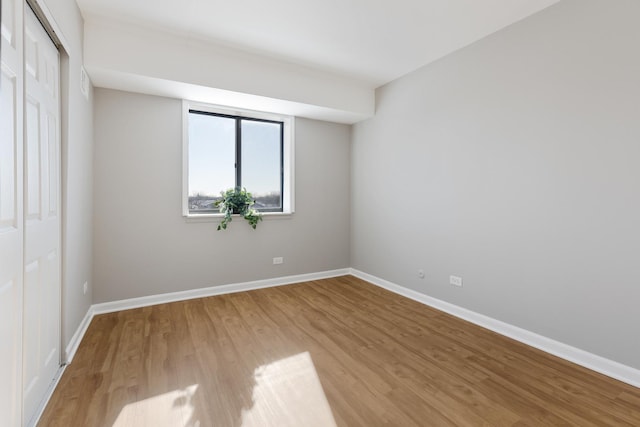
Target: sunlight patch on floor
pixel 288 393
pixel 172 409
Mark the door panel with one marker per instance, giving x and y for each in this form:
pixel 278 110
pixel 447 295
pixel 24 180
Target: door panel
pixel 8 153
pixel 32 299
pixel 54 159
pixel 42 281
pixel 32 165
pixel 11 213
pixel 10 21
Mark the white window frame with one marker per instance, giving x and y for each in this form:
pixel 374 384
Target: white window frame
pixel 287 155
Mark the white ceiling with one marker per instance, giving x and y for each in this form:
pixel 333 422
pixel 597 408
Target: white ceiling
pixel 374 41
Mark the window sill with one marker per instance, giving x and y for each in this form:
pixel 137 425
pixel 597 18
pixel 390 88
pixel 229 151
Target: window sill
pixel 217 217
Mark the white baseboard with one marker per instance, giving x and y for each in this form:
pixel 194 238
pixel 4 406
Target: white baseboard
pixel 580 357
pixel 45 400
pixel 110 307
pixel 591 361
pixel 74 342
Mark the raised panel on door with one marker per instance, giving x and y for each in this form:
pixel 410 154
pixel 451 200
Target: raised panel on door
pixel 42 281
pixel 53 155
pixel 11 214
pixel 10 21
pixel 33 184
pixel 8 152
pixel 33 303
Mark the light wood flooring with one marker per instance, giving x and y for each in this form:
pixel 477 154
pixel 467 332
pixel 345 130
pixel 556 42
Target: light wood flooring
pixel 335 352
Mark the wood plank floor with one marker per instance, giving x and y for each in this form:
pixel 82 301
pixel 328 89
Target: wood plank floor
pixel 335 352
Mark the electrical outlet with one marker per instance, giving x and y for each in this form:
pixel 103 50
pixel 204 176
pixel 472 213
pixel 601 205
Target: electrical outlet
pixel 85 288
pixel 278 260
pixel 421 273
pixel 455 281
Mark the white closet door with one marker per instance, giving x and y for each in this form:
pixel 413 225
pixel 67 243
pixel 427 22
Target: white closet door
pixel 11 213
pixel 42 275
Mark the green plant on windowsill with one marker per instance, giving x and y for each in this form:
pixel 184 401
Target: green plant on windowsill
pixel 237 201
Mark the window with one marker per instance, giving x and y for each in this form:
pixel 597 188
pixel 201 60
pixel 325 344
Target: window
pixel 229 148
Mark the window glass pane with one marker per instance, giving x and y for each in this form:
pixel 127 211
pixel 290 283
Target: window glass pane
pixel 212 156
pixel 261 163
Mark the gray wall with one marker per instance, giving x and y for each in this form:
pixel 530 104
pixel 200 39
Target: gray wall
pixel 77 170
pixel 515 163
pixel 143 245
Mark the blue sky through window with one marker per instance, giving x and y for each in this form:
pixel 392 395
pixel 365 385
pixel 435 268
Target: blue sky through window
pixel 212 155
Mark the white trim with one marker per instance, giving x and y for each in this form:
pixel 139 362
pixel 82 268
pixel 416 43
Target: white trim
pixel 266 216
pixel 185 158
pixel 234 111
pixel 109 307
pixel 43 13
pixel 289 160
pixel 583 358
pixel 288 153
pixel 47 396
pixel 75 340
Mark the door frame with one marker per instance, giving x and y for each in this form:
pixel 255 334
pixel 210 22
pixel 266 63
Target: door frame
pixel 45 17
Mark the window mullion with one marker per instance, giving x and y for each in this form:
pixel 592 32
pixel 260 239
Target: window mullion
pixel 238 152
pixel 282 165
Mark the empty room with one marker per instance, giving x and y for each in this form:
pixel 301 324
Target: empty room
pixel 320 213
